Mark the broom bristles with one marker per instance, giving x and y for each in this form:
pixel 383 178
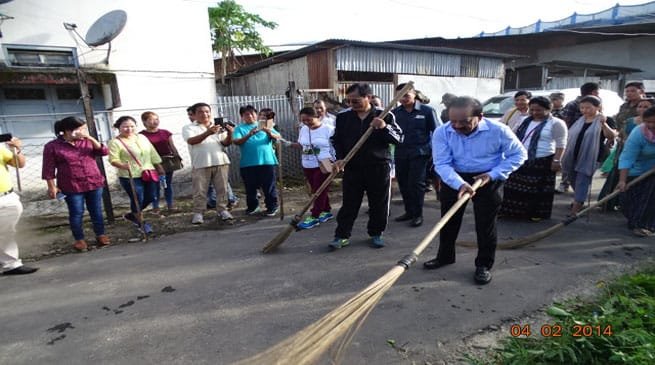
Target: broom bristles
pixel 337 327
pixel 277 240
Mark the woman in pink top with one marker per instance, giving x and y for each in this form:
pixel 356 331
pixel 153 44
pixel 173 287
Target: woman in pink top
pixel 71 160
pixel 162 140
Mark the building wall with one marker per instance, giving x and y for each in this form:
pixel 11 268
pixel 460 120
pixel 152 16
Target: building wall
pixel 162 59
pixel 635 53
pixel 274 79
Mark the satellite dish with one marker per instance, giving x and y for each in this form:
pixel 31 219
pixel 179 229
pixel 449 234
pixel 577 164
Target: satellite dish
pixel 106 28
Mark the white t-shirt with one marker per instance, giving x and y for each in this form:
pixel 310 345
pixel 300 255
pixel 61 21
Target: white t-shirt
pixel 318 147
pixel 553 135
pixel 209 152
pixel 516 119
pixel 329 119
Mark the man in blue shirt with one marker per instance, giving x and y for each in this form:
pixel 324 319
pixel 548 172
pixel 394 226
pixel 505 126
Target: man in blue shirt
pixel 465 149
pixel 417 122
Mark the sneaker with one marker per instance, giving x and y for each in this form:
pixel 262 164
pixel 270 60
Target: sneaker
pixel 339 243
pixel 482 275
pixel 254 211
pixel 562 188
pixel 308 223
pixel 324 217
pixel 21 270
pixel 272 212
pixel 225 216
pixel 197 219
pixel 377 242
pixel 147 228
pixel 80 245
pixel 232 204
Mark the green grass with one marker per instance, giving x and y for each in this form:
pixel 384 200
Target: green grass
pixel 617 327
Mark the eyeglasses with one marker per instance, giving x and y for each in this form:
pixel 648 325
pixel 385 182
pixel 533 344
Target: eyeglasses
pixel 354 100
pixel 466 121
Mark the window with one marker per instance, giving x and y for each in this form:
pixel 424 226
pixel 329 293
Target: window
pixel 70 93
pixel 34 56
pixel 24 94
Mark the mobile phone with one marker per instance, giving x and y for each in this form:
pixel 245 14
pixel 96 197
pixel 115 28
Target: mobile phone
pixel 6 137
pixel 60 196
pixel 219 121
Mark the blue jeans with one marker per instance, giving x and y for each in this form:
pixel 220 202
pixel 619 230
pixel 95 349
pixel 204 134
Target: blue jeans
pixel 581 184
pixel 75 202
pixel 168 192
pixel 211 196
pixel 145 192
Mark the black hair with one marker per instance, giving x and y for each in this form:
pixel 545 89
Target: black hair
pixel 650 112
pixel 401 86
pixel 542 101
pixel 310 111
pixel 122 119
pixel 525 93
pixel 468 102
pixel 637 84
pixel 593 100
pixel 362 89
pixel 588 88
pixel 268 113
pixel 422 97
pixel 247 109
pixel 189 110
pixel 195 106
pixel 317 101
pixel 68 124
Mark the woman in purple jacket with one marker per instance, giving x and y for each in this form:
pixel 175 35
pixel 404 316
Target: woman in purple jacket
pixel 71 160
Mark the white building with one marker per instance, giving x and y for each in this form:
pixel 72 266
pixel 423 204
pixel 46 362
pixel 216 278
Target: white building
pixel 161 61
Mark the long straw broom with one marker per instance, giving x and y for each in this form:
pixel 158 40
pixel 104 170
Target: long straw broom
pixel 286 232
pixel 524 241
pixel 309 344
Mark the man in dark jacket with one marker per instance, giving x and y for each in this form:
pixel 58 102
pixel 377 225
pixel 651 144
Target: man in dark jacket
pixel 368 170
pixel 417 122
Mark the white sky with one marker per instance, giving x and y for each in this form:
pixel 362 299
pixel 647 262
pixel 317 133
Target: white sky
pixel 382 20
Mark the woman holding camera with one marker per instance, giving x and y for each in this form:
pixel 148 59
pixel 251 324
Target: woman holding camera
pixel 135 158
pixel 258 160
pixel 70 160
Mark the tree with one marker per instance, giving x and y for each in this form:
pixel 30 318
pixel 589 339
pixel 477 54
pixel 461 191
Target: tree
pixel 232 29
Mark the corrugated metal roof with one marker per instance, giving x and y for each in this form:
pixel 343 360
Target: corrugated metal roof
pixel 337 43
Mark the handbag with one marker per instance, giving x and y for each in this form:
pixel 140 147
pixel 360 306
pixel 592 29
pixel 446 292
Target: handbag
pixel 171 163
pixel 146 175
pixel 325 165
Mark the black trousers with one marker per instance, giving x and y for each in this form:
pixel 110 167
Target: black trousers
pixel 374 180
pixel 410 173
pixel 486 205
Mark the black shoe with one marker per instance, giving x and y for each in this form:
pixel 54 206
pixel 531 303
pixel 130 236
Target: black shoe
pixel 404 217
pixel 435 264
pixel 21 270
pixel 416 222
pixel 482 275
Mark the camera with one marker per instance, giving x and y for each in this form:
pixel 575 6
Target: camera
pixel 223 122
pixel 6 137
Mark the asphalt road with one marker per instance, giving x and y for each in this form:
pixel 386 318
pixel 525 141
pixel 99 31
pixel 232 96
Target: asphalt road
pixel 212 297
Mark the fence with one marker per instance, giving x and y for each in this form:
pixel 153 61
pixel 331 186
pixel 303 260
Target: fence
pixel 34 191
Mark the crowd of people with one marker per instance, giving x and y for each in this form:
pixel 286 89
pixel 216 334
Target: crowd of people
pixel 514 161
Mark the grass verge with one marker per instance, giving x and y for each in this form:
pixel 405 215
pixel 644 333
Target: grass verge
pixel 616 327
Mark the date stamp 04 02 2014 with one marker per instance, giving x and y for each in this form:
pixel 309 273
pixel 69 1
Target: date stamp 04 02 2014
pixel 557 330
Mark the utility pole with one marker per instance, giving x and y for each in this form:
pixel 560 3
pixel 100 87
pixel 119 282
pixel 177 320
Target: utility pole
pixel 93 132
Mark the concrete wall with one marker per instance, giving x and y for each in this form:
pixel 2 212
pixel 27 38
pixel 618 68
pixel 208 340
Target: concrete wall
pixel 635 53
pixel 273 80
pixel 162 59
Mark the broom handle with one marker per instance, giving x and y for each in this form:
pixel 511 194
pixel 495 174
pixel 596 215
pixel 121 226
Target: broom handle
pixel 632 183
pixel 281 187
pixel 18 185
pixel 444 220
pixel 355 149
pixel 137 203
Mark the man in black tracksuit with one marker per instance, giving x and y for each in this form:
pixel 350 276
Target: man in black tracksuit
pixel 368 170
